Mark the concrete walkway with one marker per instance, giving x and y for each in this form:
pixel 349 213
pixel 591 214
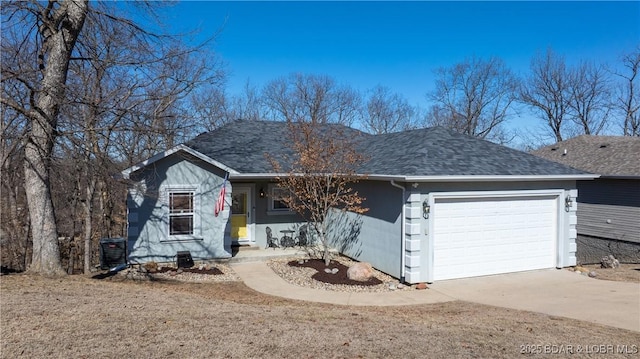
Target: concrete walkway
pixel 260 277
pixel 554 292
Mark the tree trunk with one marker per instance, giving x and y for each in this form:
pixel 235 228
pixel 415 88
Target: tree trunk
pixel 46 254
pixel 88 224
pixel 60 30
pixel 325 244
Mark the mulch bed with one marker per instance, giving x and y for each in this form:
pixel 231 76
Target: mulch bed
pixel 330 278
pixel 210 271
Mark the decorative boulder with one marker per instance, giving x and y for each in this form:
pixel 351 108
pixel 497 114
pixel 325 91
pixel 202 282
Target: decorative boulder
pixel 609 262
pixel 151 267
pixel 361 272
pixel 421 286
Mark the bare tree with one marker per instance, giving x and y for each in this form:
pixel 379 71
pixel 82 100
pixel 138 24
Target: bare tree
pixel 103 101
pixel 59 24
pixel 547 91
pixel 214 107
pixel 102 90
pixel 387 112
pixel 320 175
pixel 311 98
pixel 590 99
pixel 474 97
pixel 628 98
pixel 14 226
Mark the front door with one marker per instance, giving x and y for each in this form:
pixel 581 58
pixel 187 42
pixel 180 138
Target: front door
pixel 241 214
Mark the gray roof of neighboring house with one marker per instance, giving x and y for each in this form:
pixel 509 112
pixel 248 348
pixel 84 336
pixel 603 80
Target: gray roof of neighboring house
pixel 436 151
pixel 604 155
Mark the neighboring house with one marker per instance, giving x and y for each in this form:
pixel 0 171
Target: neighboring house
pixel 441 204
pixel 608 207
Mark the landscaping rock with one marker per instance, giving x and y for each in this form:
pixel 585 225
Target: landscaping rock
pixel 421 286
pixel 581 270
pixel 334 270
pixel 593 274
pixel 400 286
pixel 361 271
pixel 327 270
pixel 151 267
pixel 609 262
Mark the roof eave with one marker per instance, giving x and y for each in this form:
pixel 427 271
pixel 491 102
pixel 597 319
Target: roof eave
pixel 624 177
pixel 501 178
pixel 255 176
pixel 465 178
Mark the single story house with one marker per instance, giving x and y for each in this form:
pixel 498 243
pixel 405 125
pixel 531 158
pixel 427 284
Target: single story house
pixel 608 207
pixel 442 205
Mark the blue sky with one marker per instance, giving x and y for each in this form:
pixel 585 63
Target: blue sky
pixel 399 44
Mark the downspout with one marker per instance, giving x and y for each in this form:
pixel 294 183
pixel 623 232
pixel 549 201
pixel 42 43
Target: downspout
pixel 402 225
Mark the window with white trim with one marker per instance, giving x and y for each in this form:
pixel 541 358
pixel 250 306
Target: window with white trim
pixel 181 212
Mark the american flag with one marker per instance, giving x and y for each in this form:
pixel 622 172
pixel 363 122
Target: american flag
pixel 220 201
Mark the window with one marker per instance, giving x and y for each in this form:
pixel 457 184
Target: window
pixel 276 202
pixel 181 213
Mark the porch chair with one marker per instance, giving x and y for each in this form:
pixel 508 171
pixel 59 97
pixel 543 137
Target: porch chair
pixel 302 236
pixel 272 242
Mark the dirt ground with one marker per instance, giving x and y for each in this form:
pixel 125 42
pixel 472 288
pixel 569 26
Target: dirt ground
pixel 81 317
pixel 624 273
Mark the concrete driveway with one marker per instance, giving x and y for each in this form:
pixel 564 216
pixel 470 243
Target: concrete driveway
pixel 552 291
pixel 555 292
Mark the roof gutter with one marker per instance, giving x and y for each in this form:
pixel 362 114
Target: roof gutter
pixel 402 235
pixel 499 178
pixel 444 178
pixel 624 177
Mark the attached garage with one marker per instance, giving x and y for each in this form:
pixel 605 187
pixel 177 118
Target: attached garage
pixel 485 233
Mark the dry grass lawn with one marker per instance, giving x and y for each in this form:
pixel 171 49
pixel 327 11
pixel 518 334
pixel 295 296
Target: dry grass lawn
pixel 80 317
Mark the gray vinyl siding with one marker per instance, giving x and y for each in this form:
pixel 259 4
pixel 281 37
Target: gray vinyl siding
pixel 609 208
pixel 375 236
pixel 372 237
pixel 148 235
pixel 618 192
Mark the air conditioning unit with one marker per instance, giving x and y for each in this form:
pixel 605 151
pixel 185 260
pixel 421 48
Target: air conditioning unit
pixel 113 252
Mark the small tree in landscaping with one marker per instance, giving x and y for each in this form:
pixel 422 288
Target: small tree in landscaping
pixel 320 174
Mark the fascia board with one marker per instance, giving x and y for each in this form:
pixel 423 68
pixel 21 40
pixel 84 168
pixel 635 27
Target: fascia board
pixel 500 178
pixel 482 178
pixel 254 176
pixel 621 177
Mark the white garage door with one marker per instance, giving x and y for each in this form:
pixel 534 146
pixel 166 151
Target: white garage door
pixel 483 236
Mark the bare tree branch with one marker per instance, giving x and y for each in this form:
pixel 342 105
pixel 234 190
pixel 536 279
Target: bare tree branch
pixel 474 97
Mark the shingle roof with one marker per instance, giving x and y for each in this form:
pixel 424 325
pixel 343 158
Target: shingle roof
pixel 243 144
pixel 605 155
pixel 426 152
pixel 438 151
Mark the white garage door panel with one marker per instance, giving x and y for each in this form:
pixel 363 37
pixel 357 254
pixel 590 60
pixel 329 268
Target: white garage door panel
pixel 483 236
